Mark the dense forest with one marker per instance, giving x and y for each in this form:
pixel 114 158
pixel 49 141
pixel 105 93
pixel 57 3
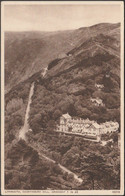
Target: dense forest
pixel 68 86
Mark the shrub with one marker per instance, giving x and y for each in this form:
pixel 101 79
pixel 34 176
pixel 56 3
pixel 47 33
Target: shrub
pixel 14 105
pixel 53 63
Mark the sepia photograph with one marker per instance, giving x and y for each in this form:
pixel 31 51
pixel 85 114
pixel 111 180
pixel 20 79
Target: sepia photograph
pixel 62 98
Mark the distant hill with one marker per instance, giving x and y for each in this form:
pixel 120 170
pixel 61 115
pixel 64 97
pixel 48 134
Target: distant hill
pixel 29 52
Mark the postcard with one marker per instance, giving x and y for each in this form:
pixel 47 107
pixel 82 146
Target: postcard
pixel 62 98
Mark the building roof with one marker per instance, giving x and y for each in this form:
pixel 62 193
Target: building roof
pixel 96 125
pixel 66 116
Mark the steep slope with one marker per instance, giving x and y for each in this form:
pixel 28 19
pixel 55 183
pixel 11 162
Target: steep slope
pixel 98 49
pixel 28 52
pixel 70 84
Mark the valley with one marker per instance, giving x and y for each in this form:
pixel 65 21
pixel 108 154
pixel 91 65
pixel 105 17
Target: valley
pixel 58 73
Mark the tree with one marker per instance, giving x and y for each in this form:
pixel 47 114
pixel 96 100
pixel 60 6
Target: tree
pixel 115 137
pixel 14 105
pixel 57 114
pixel 70 177
pixel 96 169
pixel 71 109
pixel 71 156
pixel 40 177
pixel 14 183
pixel 51 126
pixel 56 156
pixel 35 123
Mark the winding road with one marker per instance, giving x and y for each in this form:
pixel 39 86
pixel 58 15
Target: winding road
pixel 62 167
pixel 25 128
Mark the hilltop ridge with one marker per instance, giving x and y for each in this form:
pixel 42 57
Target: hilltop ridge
pixel 29 52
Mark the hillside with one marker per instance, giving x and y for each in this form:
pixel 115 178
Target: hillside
pixel 29 52
pixel 87 69
pixel 70 83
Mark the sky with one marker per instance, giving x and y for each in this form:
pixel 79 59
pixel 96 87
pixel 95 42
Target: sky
pixel 57 17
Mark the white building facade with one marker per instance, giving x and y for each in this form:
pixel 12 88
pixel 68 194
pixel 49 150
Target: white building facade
pixel 85 127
